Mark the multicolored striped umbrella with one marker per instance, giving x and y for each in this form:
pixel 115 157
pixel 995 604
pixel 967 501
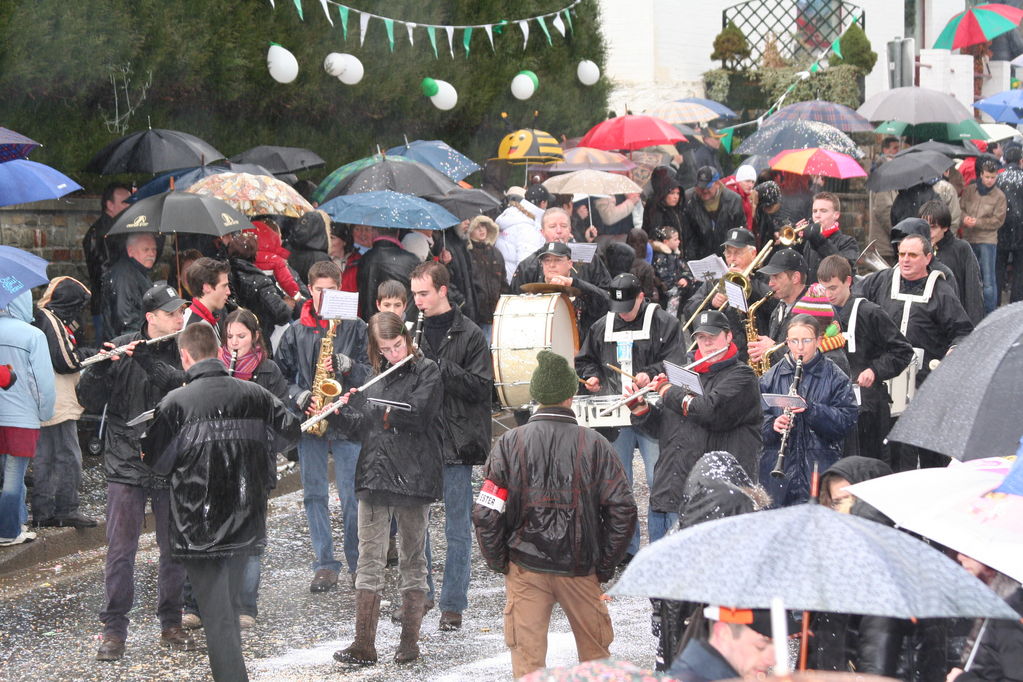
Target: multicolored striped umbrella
pixel 723 111
pixel 978 25
pixel 817 161
pixel 253 194
pixel 14 145
pixel 683 112
pixel 832 113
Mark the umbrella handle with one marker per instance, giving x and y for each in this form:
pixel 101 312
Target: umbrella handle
pixel 976 646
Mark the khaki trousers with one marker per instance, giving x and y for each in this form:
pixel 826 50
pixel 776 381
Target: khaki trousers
pixel 527 614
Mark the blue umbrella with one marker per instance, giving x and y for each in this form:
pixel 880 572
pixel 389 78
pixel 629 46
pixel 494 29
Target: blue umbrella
pixel 712 105
pixel 437 154
pixel 22 181
pixel 1004 107
pixel 386 208
pixel 186 177
pixel 19 271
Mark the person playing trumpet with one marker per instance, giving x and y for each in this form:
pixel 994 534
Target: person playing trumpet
pixel 823 237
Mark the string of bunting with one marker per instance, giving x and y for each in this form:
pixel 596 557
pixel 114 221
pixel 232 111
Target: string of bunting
pixel 560 19
pixel 835 47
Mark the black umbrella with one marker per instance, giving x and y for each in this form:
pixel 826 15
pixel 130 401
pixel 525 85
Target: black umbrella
pixel 152 151
pixel 965 149
pixel 280 160
pixel 405 176
pixel 466 204
pixel 905 171
pixel 774 138
pixel 180 212
pixel 969 407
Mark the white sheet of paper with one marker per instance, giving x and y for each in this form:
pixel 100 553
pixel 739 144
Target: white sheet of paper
pixel 783 400
pixel 683 378
pixel 736 296
pixel 583 253
pixel 709 268
pixel 339 305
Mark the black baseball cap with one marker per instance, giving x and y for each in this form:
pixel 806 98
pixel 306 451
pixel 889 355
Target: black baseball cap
pixel 162 296
pixel 706 176
pixel 739 236
pixel 623 292
pixel 784 260
pixel 711 322
pixel 555 249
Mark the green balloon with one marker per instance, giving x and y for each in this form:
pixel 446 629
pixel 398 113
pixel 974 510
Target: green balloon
pixel 532 77
pixel 430 87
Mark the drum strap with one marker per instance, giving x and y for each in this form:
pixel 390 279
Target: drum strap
pixel 910 299
pixel 850 336
pixel 624 339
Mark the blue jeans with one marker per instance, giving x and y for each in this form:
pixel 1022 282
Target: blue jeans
pixel 630 438
pixel 454 594
pixel 987 256
pixel 312 459
pixel 660 523
pixel 12 499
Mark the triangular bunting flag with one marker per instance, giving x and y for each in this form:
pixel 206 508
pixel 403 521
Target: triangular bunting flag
pixel 326 10
pixel 558 23
pixel 411 27
pixel 432 32
pixel 272 5
pixel 543 25
pixel 568 18
pixel 814 68
pixel 836 46
pixel 490 35
pixel 389 27
pixel 466 38
pixel 298 7
pixel 524 25
pixel 363 25
pixel 343 11
pixel 728 138
pixel 450 30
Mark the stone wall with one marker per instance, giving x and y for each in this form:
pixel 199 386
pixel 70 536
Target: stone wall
pixel 52 230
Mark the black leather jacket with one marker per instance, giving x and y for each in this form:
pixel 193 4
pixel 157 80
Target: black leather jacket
pixel 386 260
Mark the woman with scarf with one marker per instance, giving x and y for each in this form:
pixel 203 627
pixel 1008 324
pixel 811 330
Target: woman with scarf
pixel 243 351
pixel 816 432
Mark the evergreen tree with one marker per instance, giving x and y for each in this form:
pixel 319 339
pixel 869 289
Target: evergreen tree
pixel 856 50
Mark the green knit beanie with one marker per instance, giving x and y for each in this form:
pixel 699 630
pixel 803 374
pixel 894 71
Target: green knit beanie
pixel 553 381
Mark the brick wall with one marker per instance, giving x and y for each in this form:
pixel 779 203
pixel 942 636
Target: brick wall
pixel 52 230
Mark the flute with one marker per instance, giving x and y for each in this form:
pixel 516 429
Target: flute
pixel 121 350
pixel 334 406
pixel 643 391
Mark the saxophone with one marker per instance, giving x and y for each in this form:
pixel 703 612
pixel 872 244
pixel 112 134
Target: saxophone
pixel 325 388
pixel 752 335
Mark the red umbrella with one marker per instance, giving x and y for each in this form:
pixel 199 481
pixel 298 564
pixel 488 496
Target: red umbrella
pixel 631 132
pixel 978 25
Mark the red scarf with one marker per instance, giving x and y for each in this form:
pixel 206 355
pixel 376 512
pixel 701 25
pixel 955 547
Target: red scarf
pixel 830 231
pixel 705 366
pixel 245 366
pixel 202 311
pixel 309 318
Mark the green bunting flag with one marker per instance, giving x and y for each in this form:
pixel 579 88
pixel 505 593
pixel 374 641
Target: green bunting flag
pixel 836 47
pixel 389 26
pixel 343 11
pixel 298 8
pixel 728 138
pixel 814 68
pixel 568 19
pixel 466 37
pixel 432 32
pixel 543 26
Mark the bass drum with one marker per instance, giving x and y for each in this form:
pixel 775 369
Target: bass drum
pixel 523 326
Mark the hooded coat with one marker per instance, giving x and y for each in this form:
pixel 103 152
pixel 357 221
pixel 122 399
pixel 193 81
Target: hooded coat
pixel 29 401
pixel 818 433
pixel 708 231
pixel 958 256
pixel 309 242
pixel 385 260
pixel 58 314
pixel 490 278
pixel 1010 237
pixel 657 214
pixel 520 235
pixel 909 201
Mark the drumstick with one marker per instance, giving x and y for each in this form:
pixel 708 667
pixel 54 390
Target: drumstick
pixel 582 381
pixel 624 374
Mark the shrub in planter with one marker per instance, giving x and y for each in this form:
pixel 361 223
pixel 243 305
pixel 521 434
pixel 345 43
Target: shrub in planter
pixel 730 46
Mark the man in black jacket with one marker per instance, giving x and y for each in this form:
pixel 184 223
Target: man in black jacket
pixel 97 249
pixel 385 260
pixel 711 210
pixel 1010 235
pixel 556 226
pixel 786 272
pixel 556 265
pixel 739 646
pixel 215 439
pixel 459 348
pixel 823 237
pixel 130 386
pixel 637 337
pixel 555 516
pixel 124 285
pixel 957 255
pixel 876 349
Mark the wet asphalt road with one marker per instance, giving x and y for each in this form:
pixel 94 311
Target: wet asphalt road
pixel 49 629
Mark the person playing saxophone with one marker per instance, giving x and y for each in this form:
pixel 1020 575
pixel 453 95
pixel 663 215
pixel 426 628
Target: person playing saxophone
pixel 312 353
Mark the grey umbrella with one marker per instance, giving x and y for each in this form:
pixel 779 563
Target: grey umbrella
pixel 774 138
pixel 914 105
pixel 967 148
pixel 906 171
pixel 969 407
pixel 814 559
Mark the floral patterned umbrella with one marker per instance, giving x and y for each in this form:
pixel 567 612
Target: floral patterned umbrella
pixel 253 194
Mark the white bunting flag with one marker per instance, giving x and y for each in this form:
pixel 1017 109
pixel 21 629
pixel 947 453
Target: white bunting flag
pixel 363 24
pixel 524 25
pixel 450 30
pixel 326 10
pixel 410 26
pixel 558 24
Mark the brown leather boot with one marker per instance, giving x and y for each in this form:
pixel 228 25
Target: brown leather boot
pixel 412 605
pixel 363 650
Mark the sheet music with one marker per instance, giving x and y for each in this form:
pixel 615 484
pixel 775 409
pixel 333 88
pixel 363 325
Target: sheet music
pixel 339 305
pixel 682 377
pixel 736 296
pixel 583 253
pixel 709 268
pixel 783 400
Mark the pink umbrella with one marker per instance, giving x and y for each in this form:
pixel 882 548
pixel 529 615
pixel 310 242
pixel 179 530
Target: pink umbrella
pixel 818 161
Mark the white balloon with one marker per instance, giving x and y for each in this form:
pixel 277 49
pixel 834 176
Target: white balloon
pixel 588 72
pixel 334 64
pixel 352 70
pixel 446 97
pixel 522 86
pixel 282 64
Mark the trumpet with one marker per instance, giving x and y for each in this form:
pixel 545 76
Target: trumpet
pixel 789 236
pixel 742 279
pixel 121 350
pixel 649 387
pixel 779 464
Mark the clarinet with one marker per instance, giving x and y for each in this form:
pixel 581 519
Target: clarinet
pixel 779 464
pixel 234 361
pixel 419 329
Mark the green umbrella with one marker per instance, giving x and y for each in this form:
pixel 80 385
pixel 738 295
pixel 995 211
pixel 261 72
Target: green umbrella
pixel 967 129
pixel 323 190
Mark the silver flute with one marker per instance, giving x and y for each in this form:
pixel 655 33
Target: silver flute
pixel 121 350
pixel 643 391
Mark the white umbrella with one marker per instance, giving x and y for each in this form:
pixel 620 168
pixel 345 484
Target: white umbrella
pixel 914 105
pixel 1000 131
pixel 591 182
